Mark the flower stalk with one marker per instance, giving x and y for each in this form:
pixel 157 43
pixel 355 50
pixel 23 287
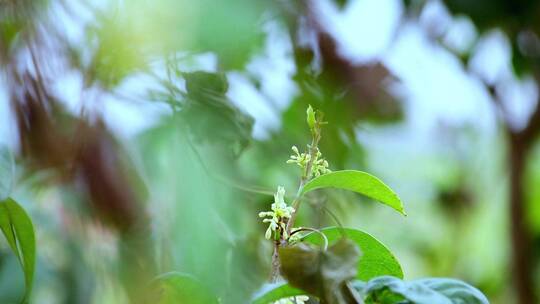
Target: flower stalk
pixel 282 217
pixel 315 123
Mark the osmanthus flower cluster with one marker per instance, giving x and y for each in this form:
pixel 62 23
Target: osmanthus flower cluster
pixel 319 164
pixel 281 217
pixel 280 212
pixel 301 159
pixel 278 216
pixel 327 263
pixel 277 220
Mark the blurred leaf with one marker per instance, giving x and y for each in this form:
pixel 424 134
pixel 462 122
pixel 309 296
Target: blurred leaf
pixel 520 64
pixel 178 171
pixel 322 273
pixel 388 289
pixel 533 192
pixel 200 83
pixel 5 225
pixel 17 227
pixel 341 3
pixel 360 182
pixel 273 292
pixel 119 50
pixel 18 17
pixel 234 32
pixel 376 259
pixel 8 34
pixel 136 31
pixel 7 168
pixel 508 15
pixel 181 288
pixel 210 114
pixel 11 278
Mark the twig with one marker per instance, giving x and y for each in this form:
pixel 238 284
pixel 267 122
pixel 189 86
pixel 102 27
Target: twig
pixel 305 178
pixel 313 149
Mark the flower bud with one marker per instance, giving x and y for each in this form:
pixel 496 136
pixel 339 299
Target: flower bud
pixel 310 117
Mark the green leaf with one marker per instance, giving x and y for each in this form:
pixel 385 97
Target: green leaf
pixel 360 182
pixel 17 227
pixel 341 3
pixel 177 287
pixel 376 260
pixel 324 274
pixel 7 168
pixel 212 117
pixel 274 292
pixel 424 291
pixel 5 225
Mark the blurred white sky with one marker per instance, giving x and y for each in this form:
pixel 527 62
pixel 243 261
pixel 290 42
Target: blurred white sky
pixel 434 85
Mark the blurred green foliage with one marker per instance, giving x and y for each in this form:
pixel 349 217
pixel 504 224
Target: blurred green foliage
pixel 203 178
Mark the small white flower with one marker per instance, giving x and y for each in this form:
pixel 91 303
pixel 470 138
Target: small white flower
pixel 279 196
pixel 301 159
pixel 318 167
pixel 271 227
pixel 265 214
pixel 276 217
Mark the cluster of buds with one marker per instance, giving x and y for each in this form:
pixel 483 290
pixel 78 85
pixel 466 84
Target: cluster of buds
pixel 301 159
pixel 319 165
pixel 278 216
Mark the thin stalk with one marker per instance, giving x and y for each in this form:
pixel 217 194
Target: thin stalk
pixel 276 265
pixel 305 178
pixel 316 136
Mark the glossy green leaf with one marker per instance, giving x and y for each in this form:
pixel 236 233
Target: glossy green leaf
pixel 18 229
pixel 424 291
pixel 177 287
pixel 5 225
pixel 273 292
pixel 376 260
pixel 360 182
pixel 7 168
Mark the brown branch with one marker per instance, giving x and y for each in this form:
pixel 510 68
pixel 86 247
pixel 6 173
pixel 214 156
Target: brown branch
pixel 276 265
pixel 532 131
pixel 520 143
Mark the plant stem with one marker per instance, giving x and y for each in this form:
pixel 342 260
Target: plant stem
pixel 274 276
pixel 305 178
pixel 316 136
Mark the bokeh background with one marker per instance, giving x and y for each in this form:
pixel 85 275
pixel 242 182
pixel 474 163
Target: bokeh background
pixel 149 134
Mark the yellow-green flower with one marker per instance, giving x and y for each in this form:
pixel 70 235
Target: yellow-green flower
pixel 276 217
pixel 301 159
pixel 320 165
